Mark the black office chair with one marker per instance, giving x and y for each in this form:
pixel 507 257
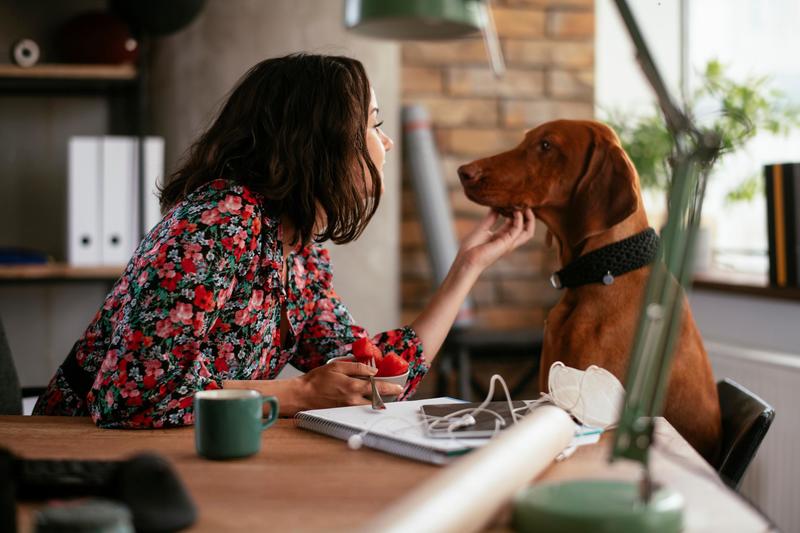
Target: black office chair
pixel 745 421
pixel 10 392
pixel 464 345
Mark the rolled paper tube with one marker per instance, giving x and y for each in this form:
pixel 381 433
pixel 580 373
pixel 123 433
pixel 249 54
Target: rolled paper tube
pixel 467 494
pixel 432 198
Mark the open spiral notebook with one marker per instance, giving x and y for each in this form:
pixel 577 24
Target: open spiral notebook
pixel 399 429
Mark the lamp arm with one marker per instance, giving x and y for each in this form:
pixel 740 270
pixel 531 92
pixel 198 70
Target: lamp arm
pixel 676 120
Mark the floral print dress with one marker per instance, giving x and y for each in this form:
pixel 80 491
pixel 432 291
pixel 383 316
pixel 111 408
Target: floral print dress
pixel 200 302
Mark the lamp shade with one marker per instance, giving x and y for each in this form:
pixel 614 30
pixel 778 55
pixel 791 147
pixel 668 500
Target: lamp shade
pixel 157 17
pixel 413 19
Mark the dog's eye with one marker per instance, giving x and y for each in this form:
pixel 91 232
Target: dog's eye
pixel 545 145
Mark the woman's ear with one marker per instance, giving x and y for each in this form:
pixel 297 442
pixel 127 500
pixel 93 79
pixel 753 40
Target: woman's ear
pixel 605 195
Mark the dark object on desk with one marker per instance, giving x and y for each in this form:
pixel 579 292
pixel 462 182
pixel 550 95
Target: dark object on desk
pixel 45 479
pixel 783 223
pixel 14 255
pixel 745 421
pixel 156 495
pixel 88 516
pixel 145 483
pixel 10 392
pixel 97 37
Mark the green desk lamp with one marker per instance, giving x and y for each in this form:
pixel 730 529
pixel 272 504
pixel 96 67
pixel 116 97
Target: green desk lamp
pixel 426 20
pixel 603 505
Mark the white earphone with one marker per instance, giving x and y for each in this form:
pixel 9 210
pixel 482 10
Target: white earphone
pixel 455 420
pixel 355 442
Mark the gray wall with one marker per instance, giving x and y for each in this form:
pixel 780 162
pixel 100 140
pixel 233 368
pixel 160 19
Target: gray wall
pixel 748 321
pixel 192 72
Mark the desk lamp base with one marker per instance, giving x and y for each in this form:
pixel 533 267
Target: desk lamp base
pixel 601 506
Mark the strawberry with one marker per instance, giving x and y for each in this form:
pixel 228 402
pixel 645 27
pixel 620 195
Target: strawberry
pixel 364 351
pixel 392 365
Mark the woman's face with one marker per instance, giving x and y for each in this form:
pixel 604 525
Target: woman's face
pixel 378 143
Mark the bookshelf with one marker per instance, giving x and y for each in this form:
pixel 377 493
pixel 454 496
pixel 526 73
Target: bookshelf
pixel 121 87
pixel 58 272
pixel 69 71
pixel 65 78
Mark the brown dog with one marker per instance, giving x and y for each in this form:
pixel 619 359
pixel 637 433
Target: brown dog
pixel 580 183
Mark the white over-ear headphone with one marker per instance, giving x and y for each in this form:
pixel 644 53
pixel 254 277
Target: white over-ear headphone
pixel 594 396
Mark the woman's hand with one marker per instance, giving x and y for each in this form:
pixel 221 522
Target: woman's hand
pixel 332 385
pixel 483 246
pixel 336 384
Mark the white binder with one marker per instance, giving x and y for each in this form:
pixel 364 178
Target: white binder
pixel 153 178
pixel 109 210
pixel 120 195
pixel 84 201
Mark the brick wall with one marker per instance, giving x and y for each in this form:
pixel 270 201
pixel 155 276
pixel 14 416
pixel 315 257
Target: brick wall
pixel 548 46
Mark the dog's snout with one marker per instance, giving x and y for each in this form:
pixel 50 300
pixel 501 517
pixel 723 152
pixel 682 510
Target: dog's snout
pixel 469 173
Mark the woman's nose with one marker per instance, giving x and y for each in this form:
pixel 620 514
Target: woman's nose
pixel 388 143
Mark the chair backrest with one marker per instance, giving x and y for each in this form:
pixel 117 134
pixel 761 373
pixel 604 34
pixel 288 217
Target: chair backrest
pixel 10 392
pixel 745 421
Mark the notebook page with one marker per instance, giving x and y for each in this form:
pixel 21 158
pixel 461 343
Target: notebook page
pixel 400 420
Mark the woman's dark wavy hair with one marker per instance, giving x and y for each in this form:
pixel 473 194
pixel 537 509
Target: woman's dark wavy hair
pixel 294 130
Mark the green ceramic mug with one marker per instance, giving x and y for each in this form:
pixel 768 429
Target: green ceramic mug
pixel 228 423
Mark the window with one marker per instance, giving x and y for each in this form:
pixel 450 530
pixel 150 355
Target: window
pixel 751 38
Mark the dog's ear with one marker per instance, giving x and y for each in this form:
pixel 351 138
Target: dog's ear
pixel 605 195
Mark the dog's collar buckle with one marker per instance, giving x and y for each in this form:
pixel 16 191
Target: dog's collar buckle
pixel 555 281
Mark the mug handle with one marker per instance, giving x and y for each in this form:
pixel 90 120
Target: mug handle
pixel 273 411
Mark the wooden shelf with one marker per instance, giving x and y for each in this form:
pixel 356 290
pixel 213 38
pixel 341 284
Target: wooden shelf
pixel 58 272
pixel 63 79
pixel 67 71
pixel 745 284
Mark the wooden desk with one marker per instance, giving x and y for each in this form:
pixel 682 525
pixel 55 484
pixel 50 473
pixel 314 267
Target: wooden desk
pixel 309 482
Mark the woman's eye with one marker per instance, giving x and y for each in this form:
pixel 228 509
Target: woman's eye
pixel 378 125
pixel 545 145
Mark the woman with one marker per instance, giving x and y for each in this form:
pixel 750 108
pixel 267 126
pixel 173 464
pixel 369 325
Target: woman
pixel 233 284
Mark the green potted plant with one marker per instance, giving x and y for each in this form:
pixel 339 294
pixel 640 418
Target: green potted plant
pixel 737 110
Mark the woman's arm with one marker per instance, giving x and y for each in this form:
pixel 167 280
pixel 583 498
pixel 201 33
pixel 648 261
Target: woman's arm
pixel 329 329
pixel 480 248
pixel 286 390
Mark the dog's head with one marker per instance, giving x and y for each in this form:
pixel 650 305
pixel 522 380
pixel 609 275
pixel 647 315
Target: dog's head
pixel 573 171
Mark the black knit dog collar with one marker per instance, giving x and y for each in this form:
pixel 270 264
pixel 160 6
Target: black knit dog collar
pixel 606 263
